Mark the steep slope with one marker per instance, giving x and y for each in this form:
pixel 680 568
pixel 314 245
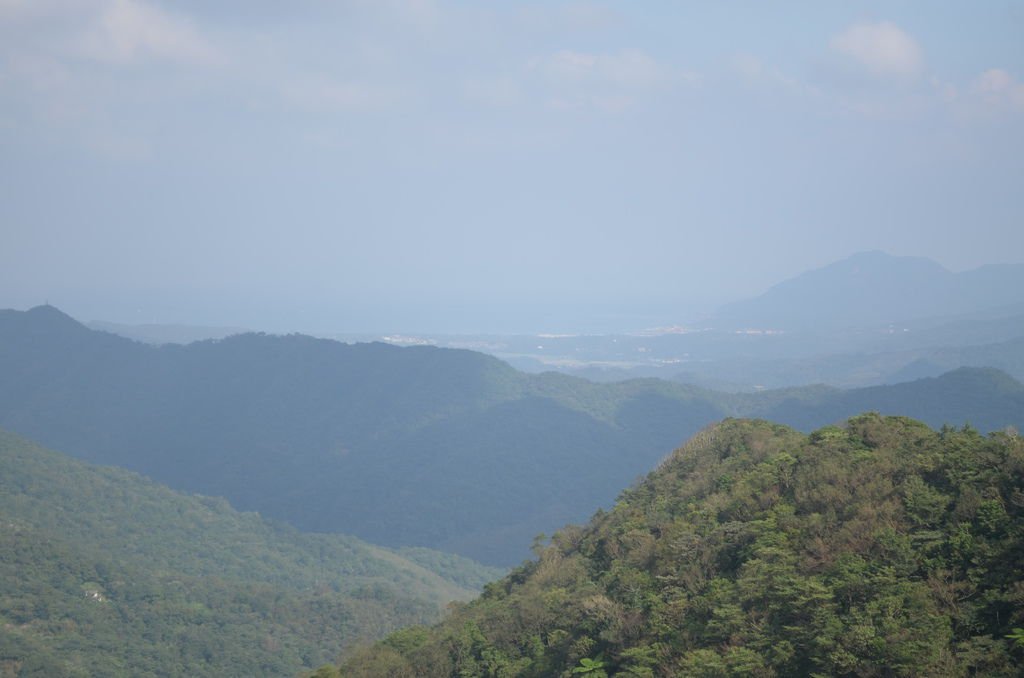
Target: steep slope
pixel 874 288
pixel 420 446
pixel 881 548
pixel 103 572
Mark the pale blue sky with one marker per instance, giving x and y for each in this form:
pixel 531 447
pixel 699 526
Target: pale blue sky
pixel 409 165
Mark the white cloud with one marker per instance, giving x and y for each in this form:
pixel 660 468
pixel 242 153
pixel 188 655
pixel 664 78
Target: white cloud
pixel 129 30
pixel 882 48
pixel 752 70
pixel 999 88
pixel 56 76
pixel 115 31
pixel 612 82
pixel 627 68
pixel 572 80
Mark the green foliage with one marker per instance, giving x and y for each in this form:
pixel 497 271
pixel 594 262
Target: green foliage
pixel 460 571
pixel 591 667
pixel 881 548
pixel 104 573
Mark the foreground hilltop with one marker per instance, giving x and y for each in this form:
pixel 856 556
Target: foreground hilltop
pixel 880 548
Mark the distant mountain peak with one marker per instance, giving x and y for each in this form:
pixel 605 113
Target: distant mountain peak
pixel 49 316
pixel 878 260
pixel 873 288
pixel 986 378
pixel 866 255
pixel 47 309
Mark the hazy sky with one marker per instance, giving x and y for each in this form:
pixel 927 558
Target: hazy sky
pixel 404 165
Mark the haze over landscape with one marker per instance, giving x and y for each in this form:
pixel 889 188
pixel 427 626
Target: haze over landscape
pixel 419 166
pixel 428 338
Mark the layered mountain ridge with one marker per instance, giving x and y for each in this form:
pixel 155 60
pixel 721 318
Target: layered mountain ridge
pixel 417 446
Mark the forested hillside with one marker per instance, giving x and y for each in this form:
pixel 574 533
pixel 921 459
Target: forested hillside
pixel 104 573
pixel 419 446
pixel 879 548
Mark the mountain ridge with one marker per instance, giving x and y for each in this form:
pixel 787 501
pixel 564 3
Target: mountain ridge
pixel 874 288
pixel 417 446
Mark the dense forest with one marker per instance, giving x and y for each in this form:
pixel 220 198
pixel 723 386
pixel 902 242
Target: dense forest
pixel 419 446
pixel 104 573
pixel 877 548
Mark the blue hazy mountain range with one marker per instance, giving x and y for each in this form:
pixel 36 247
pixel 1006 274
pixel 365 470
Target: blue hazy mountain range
pixel 873 288
pixel 416 446
pixel 866 320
